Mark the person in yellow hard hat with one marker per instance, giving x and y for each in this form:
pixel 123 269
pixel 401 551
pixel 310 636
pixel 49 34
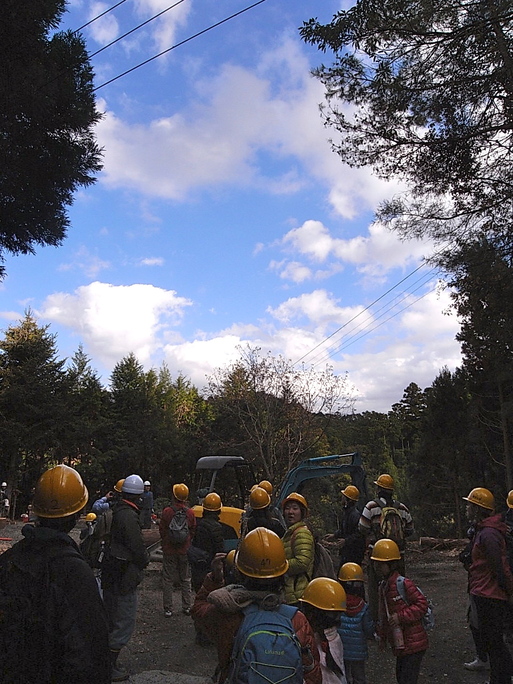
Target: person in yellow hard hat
pixel 323 603
pixel 175 564
pixel 382 517
pixel 400 620
pixel 208 539
pixel 104 503
pixel 65 637
pixel 356 624
pixel 490 580
pixel 228 613
pixel 260 513
pixel 299 546
pixel 349 540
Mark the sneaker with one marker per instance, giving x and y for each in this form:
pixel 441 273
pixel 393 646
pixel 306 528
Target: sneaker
pixel 186 611
pixel 476 665
pixel 168 613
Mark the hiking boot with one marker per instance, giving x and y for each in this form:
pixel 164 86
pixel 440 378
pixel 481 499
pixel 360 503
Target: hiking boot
pixel 119 675
pixel 476 665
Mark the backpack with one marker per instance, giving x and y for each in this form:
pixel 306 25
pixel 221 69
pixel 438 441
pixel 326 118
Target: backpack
pixel 323 563
pixel 428 619
pixel 29 606
pixel 266 648
pixel 94 546
pixel 179 526
pixel 391 525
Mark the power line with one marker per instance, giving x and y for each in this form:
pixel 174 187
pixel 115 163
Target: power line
pixel 366 330
pixel 345 341
pixel 360 313
pixel 209 28
pixel 99 16
pixel 136 28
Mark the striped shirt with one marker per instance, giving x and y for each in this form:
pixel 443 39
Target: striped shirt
pixel 370 519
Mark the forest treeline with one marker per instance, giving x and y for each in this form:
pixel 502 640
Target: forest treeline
pixel 437 442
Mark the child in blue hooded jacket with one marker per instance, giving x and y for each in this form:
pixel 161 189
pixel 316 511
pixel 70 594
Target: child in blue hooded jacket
pixel 356 624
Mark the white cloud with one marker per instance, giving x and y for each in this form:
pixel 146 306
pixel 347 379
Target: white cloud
pixel 105 29
pixel 84 261
pixel 235 116
pixel 113 321
pixel 152 261
pixel 373 255
pixel 165 27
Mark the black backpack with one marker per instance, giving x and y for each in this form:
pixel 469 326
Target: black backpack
pixel 29 601
pixel 94 546
pixel 179 526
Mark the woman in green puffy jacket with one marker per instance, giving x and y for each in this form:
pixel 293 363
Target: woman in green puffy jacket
pixel 299 547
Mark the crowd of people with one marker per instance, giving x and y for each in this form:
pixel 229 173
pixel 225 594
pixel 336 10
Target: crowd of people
pixel 260 604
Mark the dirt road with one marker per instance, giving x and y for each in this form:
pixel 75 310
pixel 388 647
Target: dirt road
pixel 168 643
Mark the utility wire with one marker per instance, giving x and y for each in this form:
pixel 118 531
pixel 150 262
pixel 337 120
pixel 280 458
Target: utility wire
pixel 209 28
pixel 136 28
pixel 366 330
pixel 389 306
pixel 99 16
pixel 360 313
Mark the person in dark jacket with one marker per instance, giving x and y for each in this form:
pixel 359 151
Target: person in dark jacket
pixel 349 540
pixel 146 506
pixel 122 570
pixel 71 644
pixel 490 581
pixel 208 539
pixel 399 622
pixel 260 513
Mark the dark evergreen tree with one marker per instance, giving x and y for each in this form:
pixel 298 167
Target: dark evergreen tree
pixel 33 403
pixel 47 117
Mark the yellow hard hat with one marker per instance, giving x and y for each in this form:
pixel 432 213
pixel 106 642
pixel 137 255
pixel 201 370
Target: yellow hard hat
pixel 259 498
pixel 212 502
pixel 265 484
pixel 481 497
pixel 261 554
pixel 90 517
pixel 350 572
pixel 181 492
pixel 385 550
pixel 119 485
pixel 385 481
pixel 351 492
pixel 509 499
pixel 230 559
pixel 59 492
pixel 299 498
pixel 326 594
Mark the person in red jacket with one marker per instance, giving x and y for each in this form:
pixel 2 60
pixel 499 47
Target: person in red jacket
pixel 399 622
pixel 490 581
pixel 175 565
pixel 218 608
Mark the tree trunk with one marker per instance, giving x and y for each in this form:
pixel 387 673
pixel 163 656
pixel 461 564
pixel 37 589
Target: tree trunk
pixel 505 435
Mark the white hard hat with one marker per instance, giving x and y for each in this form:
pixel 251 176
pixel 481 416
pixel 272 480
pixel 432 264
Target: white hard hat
pixel 147 483
pixel 4 484
pixel 133 484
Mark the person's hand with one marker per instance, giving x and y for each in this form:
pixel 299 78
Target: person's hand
pixel 217 566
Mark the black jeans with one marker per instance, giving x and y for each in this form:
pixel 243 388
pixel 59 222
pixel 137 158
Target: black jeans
pixel 491 616
pixel 407 668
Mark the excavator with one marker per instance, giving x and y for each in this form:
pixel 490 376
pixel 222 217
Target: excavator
pixel 232 477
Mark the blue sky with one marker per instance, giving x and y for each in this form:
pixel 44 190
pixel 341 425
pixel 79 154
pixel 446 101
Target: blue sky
pixel 222 217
